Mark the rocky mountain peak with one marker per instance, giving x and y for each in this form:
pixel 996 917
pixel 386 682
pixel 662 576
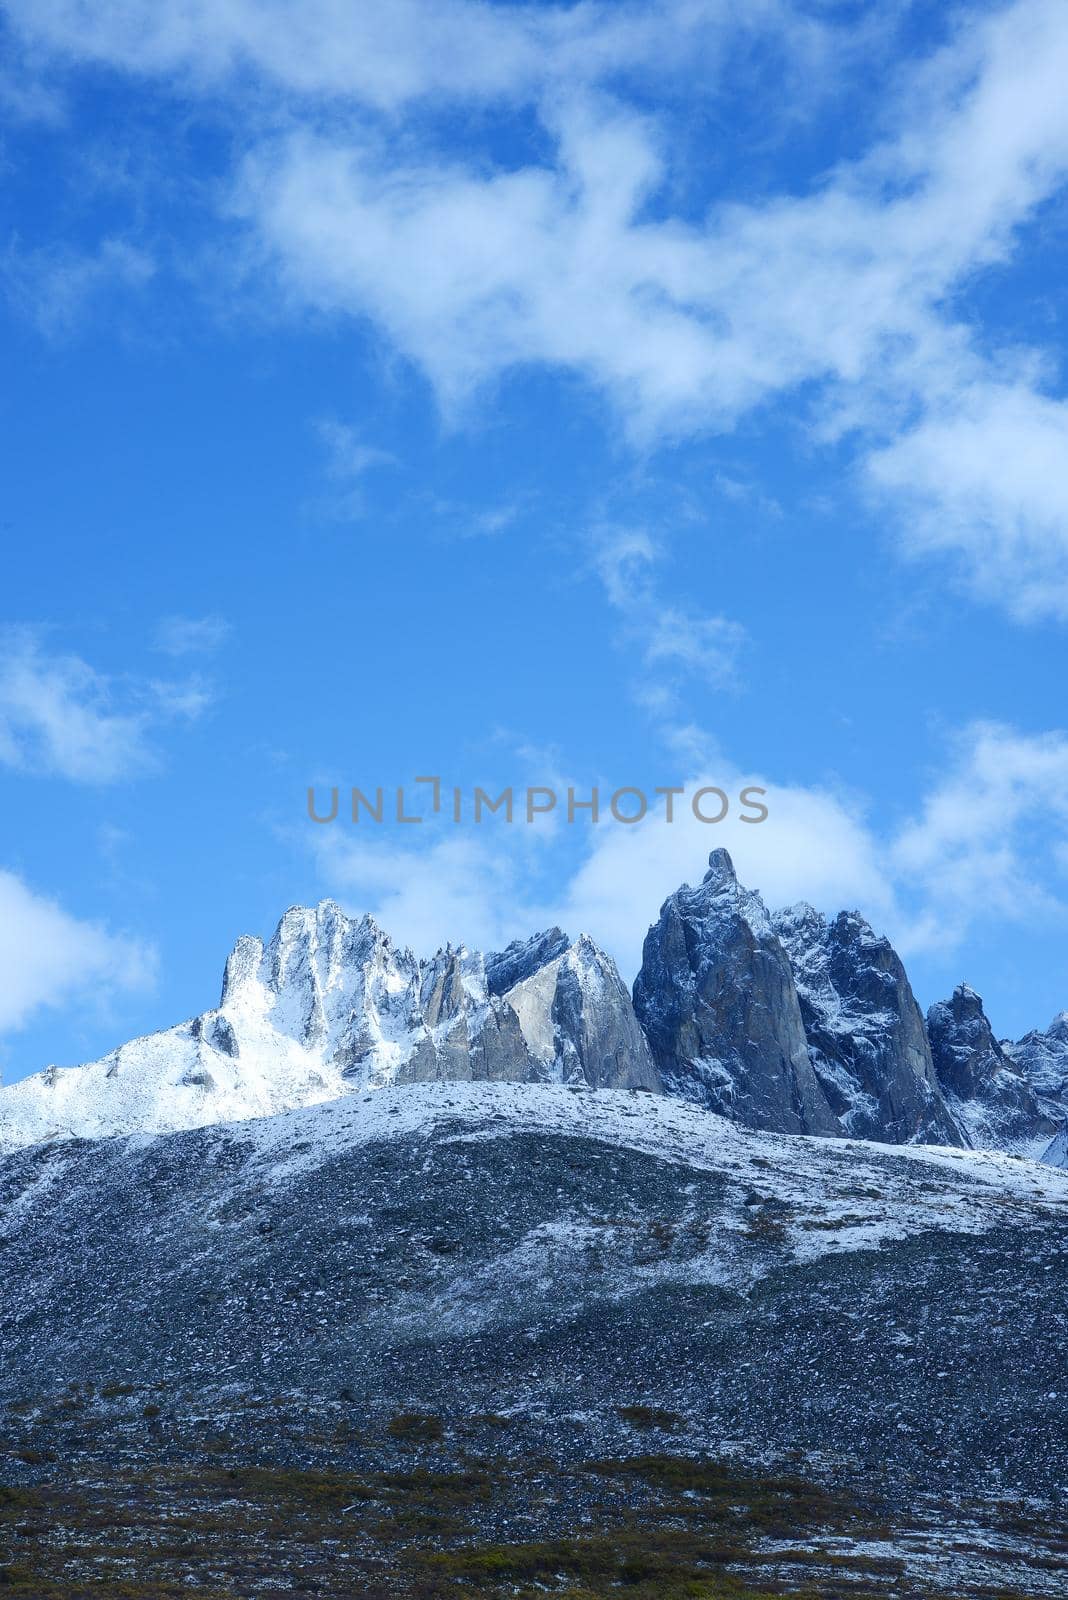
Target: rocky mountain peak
pixel 864 1030
pixel 720 868
pixel 1058 1028
pixel 796 1023
pixel 1042 1057
pixel 716 998
pixel 522 957
pixel 987 1094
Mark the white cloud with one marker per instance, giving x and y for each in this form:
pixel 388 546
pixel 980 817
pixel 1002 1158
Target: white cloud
pixel 60 717
pixel 49 957
pixel 685 326
pixel 988 842
pixel 670 641
pixel 387 53
pixel 985 483
pixel 812 846
pixel 188 636
pixel 53 285
pixel 841 297
pixel 989 839
pixel 688 326
pixel 461 888
pixel 186 698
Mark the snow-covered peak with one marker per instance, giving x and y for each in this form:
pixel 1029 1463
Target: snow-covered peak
pixel 801 919
pixel 1043 1060
pixel 1058 1028
pixel 716 997
pixel 864 1030
pixel 720 868
pixel 708 908
pixel 510 966
pixel 987 1094
pixel 329 1005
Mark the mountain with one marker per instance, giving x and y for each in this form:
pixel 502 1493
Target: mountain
pixel 501 1339
pixel 471 1249
pixel 792 1022
pixel 1043 1060
pixel 331 1006
pixel 716 998
pixel 865 1032
pixel 985 1090
pixel 389 1277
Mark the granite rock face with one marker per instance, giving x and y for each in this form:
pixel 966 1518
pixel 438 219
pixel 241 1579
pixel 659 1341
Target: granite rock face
pixel 522 958
pixel 986 1091
pixel 717 1000
pixel 576 1013
pixel 865 1032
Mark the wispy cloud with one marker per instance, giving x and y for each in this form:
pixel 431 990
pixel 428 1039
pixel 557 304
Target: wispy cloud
pixel 671 643
pixel 968 858
pixel 61 717
pixel 989 840
pixel 54 285
pixel 191 636
pixel 387 54
pixel 349 454
pixel 349 458
pixel 842 296
pixel 49 957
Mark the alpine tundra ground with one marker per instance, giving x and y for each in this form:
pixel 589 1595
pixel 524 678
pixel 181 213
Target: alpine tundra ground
pixel 465 1340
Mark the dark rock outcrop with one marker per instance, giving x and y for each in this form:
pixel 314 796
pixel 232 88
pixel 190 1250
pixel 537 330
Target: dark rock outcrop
pixel 1042 1057
pixel 522 958
pixel 864 1029
pixel 716 998
pixel 987 1093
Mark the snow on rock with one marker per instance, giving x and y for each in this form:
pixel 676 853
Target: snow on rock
pixel 986 1091
pixel 829 1194
pixel 1043 1060
pixel 1056 1153
pixel 717 1000
pixel 864 1029
pixel 331 1005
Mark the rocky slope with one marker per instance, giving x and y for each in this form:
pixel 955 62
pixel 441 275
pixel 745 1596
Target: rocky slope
pixel 553 1256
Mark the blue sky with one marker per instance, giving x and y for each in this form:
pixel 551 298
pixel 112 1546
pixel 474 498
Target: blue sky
pixel 631 394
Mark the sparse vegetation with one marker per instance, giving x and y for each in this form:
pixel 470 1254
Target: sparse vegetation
pixel 647 1418
pixel 415 1427
pixel 650 1527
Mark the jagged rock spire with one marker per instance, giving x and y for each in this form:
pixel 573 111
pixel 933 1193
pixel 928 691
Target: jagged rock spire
pixel 716 998
pixel 864 1029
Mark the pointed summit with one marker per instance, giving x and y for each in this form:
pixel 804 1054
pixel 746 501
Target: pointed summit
pixel 720 868
pixel 716 998
pixel 985 1090
pixel 1043 1060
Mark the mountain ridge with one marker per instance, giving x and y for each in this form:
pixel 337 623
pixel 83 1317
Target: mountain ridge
pixel 788 1022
